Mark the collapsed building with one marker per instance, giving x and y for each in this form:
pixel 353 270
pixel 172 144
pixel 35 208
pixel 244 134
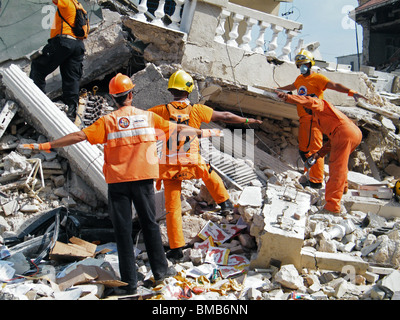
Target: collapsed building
pixel 285 248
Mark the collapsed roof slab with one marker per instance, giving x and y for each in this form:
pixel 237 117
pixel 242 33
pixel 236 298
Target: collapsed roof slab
pixel 43 114
pixel 282 237
pixel 385 208
pixel 254 101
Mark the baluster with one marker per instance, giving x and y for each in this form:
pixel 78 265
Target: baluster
pixel 300 46
pixel 234 34
pixel 247 35
pixel 261 36
pixel 274 42
pixel 176 17
pixel 287 48
pixel 220 31
pixel 159 14
pixel 142 10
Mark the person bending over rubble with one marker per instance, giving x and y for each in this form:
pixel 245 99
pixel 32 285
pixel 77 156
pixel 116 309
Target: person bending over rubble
pixel 344 137
pixel 182 160
pixel 310 136
pixel 130 166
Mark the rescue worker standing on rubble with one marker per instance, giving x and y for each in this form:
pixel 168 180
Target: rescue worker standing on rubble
pixel 65 50
pixel 130 166
pixel 182 161
pixel 344 137
pixel 310 136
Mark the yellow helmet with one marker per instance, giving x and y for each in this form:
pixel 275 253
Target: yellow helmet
pixel 304 57
pixel 181 80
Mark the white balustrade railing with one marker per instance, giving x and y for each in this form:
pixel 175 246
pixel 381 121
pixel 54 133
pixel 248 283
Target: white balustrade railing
pixel 145 16
pixel 256 24
pixel 237 26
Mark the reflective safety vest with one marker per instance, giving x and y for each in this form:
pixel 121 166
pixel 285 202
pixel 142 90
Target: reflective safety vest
pixel 130 152
pixel 184 152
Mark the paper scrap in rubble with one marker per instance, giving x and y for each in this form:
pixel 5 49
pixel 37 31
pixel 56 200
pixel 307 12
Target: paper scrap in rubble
pixel 216 233
pixel 233 229
pixel 205 245
pixel 202 270
pixel 218 256
pixel 236 264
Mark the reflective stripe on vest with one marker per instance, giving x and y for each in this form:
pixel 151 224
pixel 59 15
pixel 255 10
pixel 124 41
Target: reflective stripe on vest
pixel 131 133
pixel 124 128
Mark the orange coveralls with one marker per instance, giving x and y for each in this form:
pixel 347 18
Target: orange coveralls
pixel 185 166
pixel 310 136
pixel 344 137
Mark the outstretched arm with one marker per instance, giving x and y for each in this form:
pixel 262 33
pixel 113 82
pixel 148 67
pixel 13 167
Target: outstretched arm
pixel 341 88
pixel 229 117
pixel 64 141
pixel 306 101
pixel 69 139
pixel 289 87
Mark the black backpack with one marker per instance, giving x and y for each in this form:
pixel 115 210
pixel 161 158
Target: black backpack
pixel 81 25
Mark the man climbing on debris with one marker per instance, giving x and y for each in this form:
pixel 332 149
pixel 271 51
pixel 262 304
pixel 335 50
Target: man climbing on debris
pixel 344 137
pixel 183 161
pixel 64 49
pixel 130 166
pixel 310 136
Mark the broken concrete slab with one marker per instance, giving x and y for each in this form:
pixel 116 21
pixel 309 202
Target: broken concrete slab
pixel 332 261
pixel 381 207
pixel 251 196
pixel 391 282
pixel 283 235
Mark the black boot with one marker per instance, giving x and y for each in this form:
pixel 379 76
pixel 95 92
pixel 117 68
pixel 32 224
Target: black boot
pixel 71 112
pixel 175 254
pixel 310 184
pixel 226 207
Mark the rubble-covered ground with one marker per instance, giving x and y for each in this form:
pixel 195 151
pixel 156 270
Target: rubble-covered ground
pixel 216 264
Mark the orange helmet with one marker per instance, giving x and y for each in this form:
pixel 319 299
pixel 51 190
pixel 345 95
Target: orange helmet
pixel 120 85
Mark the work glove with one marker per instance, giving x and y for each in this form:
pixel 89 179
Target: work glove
pixel 37 146
pixel 206 133
pixel 311 160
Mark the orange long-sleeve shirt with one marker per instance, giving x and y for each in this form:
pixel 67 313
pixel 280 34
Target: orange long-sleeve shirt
pixel 325 114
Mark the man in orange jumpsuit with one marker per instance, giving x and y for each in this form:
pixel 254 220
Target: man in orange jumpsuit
pixel 344 136
pixel 129 136
pixel 65 50
pixel 310 136
pixel 183 161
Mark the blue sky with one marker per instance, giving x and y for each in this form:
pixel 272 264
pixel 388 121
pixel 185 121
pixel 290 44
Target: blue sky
pixel 326 22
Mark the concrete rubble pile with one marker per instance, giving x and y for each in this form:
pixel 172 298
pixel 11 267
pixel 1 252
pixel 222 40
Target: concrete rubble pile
pixel 274 246
pixel 56 240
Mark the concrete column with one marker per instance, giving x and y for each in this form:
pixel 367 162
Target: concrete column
pixel 86 159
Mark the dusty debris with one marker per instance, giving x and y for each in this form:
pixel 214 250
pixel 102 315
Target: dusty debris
pixel 219 259
pixel 274 246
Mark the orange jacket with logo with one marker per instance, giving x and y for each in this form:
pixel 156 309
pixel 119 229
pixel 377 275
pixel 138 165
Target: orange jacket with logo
pixel 314 83
pixel 186 153
pixel 129 135
pixel 68 11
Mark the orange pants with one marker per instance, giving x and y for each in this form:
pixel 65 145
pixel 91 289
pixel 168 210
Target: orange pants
pixel 172 192
pixel 310 141
pixel 344 141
